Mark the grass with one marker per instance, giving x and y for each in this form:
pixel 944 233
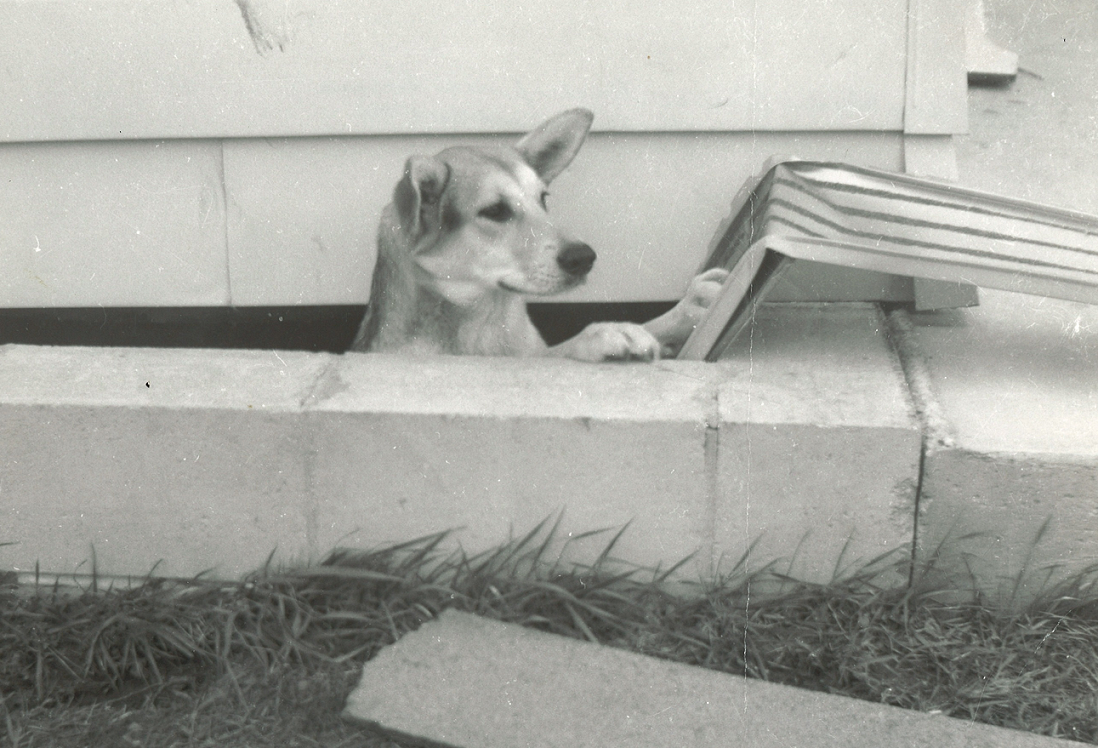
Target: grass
pixel 269 661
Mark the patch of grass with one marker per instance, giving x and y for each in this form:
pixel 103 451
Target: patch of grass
pixel 269 661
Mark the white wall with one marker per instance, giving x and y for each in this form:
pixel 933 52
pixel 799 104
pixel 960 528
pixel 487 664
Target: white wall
pixel 215 186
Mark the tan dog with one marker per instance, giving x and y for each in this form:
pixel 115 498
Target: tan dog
pixel 467 238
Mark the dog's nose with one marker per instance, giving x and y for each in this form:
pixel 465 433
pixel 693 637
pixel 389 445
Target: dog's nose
pixel 576 258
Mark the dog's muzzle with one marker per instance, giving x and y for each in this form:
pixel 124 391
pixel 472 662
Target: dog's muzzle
pixel 576 259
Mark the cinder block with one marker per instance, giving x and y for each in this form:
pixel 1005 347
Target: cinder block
pixel 1015 375
pixel 404 449
pixel 182 461
pixel 137 223
pixel 468 681
pixel 818 456
pixel 149 491
pixel 1009 525
pixel 1015 383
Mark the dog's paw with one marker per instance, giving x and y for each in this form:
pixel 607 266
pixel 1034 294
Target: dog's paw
pixel 674 327
pixel 612 341
pixel 701 292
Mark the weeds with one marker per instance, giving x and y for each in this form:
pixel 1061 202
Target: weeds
pixel 269 660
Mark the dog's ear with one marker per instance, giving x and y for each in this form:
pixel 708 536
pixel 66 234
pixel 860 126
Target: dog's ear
pixel 418 193
pixel 553 144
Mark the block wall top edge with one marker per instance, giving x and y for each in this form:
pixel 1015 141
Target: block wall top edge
pixel 263 381
pixel 258 68
pixel 468 386
pixel 374 384
pixel 828 367
pixel 685 394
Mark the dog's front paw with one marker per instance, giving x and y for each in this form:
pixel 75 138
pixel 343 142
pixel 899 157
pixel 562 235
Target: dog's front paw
pixel 612 341
pixel 674 327
pixel 701 292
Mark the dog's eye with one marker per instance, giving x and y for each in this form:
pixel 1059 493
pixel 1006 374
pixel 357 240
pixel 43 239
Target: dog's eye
pixel 498 212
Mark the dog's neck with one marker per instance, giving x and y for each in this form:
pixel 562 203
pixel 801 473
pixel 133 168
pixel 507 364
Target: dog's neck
pixel 408 317
pixel 495 324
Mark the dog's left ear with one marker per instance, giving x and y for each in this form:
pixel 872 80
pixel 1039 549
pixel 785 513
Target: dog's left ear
pixel 418 193
pixel 553 144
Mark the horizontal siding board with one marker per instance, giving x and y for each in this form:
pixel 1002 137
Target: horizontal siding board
pixel 112 224
pixel 303 213
pixel 120 69
pixel 293 221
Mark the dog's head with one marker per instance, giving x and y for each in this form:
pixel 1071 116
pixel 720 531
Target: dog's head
pixel 475 219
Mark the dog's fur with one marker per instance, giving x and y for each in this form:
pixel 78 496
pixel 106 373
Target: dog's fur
pixel 467 238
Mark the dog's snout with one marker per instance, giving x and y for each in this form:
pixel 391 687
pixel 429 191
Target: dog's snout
pixel 576 258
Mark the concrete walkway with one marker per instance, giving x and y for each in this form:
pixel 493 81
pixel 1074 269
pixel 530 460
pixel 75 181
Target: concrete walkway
pixel 475 683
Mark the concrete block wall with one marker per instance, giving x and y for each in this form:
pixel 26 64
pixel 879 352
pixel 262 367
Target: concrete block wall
pixel 818 446
pixel 180 461
pixel 812 444
pixel 189 461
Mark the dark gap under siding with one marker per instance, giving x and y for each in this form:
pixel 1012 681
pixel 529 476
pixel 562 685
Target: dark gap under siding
pixel 305 328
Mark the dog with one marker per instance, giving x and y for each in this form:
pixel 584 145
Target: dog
pixel 468 238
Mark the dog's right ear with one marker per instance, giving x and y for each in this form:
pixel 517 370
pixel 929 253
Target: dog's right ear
pixel 418 193
pixel 551 146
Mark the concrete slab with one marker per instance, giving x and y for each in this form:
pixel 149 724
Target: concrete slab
pixel 819 450
pixel 1016 383
pixel 1019 374
pixel 468 681
pixel 1035 139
